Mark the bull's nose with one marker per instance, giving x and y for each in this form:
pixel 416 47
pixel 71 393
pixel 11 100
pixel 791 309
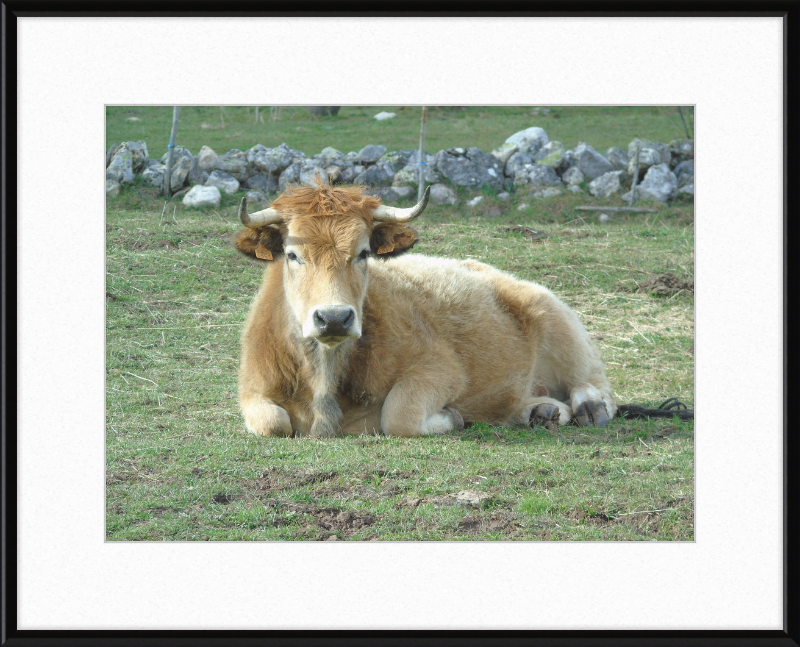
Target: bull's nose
pixel 334 321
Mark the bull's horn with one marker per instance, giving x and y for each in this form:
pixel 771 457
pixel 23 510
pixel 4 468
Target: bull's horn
pixel 259 218
pixel 393 214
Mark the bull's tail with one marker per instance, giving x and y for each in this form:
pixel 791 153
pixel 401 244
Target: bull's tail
pixel 668 409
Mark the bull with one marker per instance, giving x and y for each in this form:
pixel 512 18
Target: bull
pixel 349 335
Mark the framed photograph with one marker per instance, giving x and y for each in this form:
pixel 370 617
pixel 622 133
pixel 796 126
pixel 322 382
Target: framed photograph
pixel 104 461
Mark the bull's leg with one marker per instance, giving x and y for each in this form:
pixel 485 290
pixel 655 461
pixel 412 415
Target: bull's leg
pixel 418 406
pixel 545 412
pixel 265 418
pixel 570 367
pixel 590 406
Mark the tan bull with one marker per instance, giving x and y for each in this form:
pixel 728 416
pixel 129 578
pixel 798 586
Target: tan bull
pixel 348 336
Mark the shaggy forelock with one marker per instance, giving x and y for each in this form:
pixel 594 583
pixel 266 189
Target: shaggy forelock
pixel 327 220
pixel 325 201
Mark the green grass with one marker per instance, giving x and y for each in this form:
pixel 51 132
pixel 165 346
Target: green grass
pixel 353 128
pixel 179 465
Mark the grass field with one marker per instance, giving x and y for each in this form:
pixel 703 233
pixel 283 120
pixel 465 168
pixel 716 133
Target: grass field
pixel 180 467
pixel 353 128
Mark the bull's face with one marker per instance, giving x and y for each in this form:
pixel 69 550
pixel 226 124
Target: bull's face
pixel 325 276
pixel 325 256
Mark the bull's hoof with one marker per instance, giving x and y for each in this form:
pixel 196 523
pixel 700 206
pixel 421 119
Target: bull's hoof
pixel 592 413
pixel 322 431
pixel 458 420
pixel 545 415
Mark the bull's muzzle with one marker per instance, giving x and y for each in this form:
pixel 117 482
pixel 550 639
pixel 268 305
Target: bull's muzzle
pixel 334 323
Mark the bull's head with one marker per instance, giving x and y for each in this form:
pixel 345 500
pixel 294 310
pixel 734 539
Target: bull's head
pixel 323 236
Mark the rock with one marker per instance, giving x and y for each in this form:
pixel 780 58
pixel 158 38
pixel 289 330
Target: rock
pixel 290 174
pixel 604 217
pixel 409 174
pixel 397 160
pixel 685 192
pixel 680 150
pixel 382 116
pixel 475 201
pixel 139 154
pixel 619 158
pixel 370 154
pixel 323 111
pixel 177 153
pixel 112 189
pixel 606 185
pixel 114 173
pixel 591 163
pixel 650 154
pixel 196 174
pixel 251 153
pixel 261 182
pixel 505 195
pixel 523 206
pixel 236 154
pixel 502 153
pixel 442 194
pixel 393 194
pixel 659 184
pixel 150 162
pixel 110 153
pixel 375 176
pixel 538 175
pixel 154 176
pixel 232 166
pixel 548 192
pixel 120 169
pixel 551 154
pixel 684 172
pixel 312 176
pixel 529 140
pixel 180 172
pixel 468 498
pixel 347 176
pixel 206 158
pixel 516 163
pixel 331 156
pixel 223 181
pixel 575 189
pixel 313 162
pixel 271 161
pixel 256 200
pixel 202 196
pixel 127 159
pixel 573 176
pixel 472 169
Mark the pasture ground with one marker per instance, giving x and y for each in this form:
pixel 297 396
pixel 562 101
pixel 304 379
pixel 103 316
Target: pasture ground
pixel 353 128
pixel 180 467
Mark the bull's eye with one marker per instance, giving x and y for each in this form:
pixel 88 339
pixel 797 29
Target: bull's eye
pixel 293 257
pixel 363 255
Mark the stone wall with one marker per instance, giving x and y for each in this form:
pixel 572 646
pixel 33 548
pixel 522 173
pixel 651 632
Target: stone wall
pixel 526 162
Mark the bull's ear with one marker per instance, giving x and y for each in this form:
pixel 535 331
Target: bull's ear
pixel 392 239
pixel 263 244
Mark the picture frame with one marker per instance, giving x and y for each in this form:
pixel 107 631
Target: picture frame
pixel 29 566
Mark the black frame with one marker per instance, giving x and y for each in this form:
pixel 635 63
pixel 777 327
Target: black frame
pixel 789 10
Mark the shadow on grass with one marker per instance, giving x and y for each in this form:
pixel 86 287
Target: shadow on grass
pixel 619 431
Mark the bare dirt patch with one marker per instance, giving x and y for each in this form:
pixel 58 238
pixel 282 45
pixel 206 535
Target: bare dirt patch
pixel 329 521
pixel 666 284
pixel 495 522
